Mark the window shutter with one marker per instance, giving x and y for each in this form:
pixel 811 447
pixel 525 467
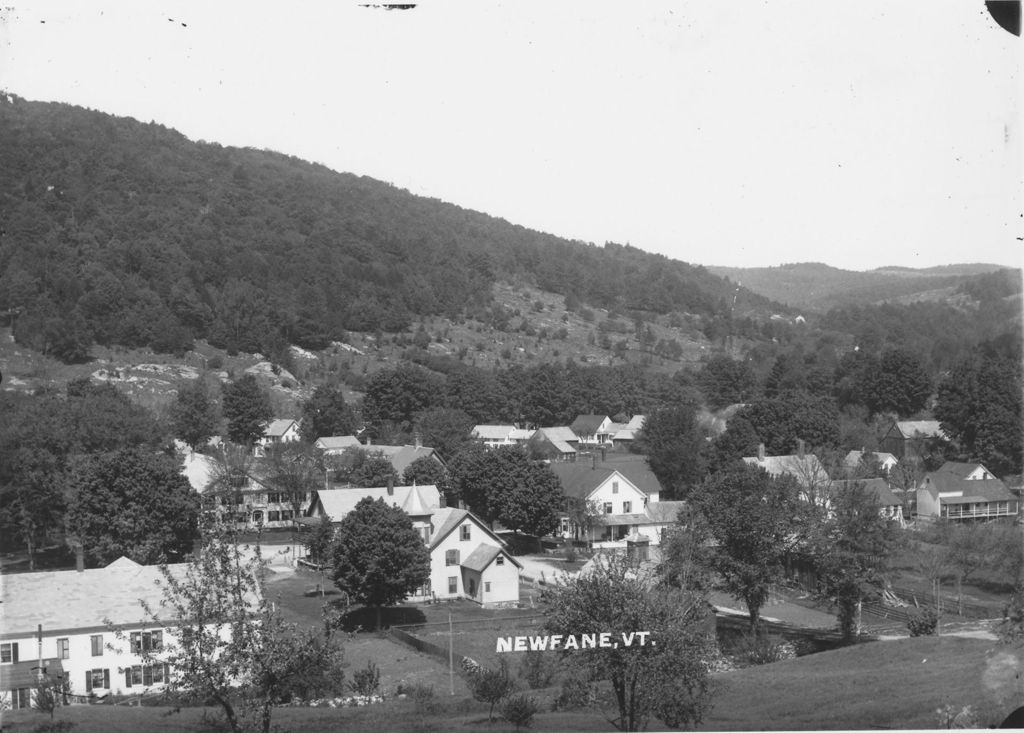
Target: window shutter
pixel 127 676
pixel 88 680
pixel 106 679
pixel 14 653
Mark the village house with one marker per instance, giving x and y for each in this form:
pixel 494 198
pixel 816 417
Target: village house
pixel 553 444
pixel 803 466
pixel 467 560
pixel 247 496
pixel 964 491
pixel 496 436
pixel 65 621
pixel 912 439
pixel 889 506
pixel 592 431
pixel 623 434
pixel 621 500
pixel 858 459
pixel 333 445
pixel 276 432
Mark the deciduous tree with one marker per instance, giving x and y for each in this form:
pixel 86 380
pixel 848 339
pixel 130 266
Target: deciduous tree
pixel 667 676
pixel 325 413
pixel 754 520
pixel 379 558
pixel 132 503
pixel 672 441
pixel 194 414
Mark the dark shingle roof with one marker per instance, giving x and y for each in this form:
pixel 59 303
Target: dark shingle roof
pixel 875 486
pixel 587 424
pixel 983 490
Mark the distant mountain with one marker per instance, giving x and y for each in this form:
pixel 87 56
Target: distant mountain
pixel 814 286
pixel 122 233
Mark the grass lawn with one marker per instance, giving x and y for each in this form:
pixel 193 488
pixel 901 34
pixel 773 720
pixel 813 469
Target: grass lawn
pixel 897 684
pixel 398 716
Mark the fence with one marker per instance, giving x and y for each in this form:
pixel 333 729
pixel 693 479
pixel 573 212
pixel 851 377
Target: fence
pixel 403 632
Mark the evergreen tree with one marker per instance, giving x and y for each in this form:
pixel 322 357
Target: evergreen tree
pixel 325 414
pixel 194 415
pixel 247 408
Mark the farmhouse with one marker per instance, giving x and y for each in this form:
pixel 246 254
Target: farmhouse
pixel 964 491
pixel 467 560
pixel 609 503
pixel 336 444
pixel 284 430
pixel 496 436
pixel 553 444
pixel 592 430
pixel 859 459
pixel 889 506
pixel 804 467
pixel 61 619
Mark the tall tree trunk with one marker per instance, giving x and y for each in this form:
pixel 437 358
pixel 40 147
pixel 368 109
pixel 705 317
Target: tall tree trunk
pixel 380 616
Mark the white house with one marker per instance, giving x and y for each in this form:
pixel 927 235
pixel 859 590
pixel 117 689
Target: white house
pixel 496 436
pixel 283 430
pixel 592 430
pixel 467 560
pixel 60 617
pixel 964 491
pixel 889 506
pixel 804 467
pixel 624 496
pixel 857 458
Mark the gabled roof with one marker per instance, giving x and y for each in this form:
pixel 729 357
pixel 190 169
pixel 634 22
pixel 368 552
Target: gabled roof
pixel 919 428
pixel 587 424
pixel 636 422
pixel 562 438
pixel 483 556
pixel 876 487
pixel 337 442
pixel 520 434
pixel 418 502
pixel 69 599
pixel 579 480
pixel 401 456
pixel 961 470
pixel 982 490
pixel 635 469
pixel 614 520
pixel 444 521
pixel 492 432
pixel 855 457
pixel 277 428
pixel 337 503
pixel 805 469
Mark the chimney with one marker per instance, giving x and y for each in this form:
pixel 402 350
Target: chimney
pixel 391 486
pixel 760 452
pixel 79 558
pixel 800 447
pixel 369 439
pixel 417 438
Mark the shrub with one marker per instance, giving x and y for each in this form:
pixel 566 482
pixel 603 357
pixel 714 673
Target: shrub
pixel 923 623
pixel 519 710
pixel 753 649
pixel 576 693
pixel 366 681
pixel 215 362
pixel 538 669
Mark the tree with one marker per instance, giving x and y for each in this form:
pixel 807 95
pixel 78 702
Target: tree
pixel 296 471
pixel 781 421
pixel 491 686
pixel 396 396
pixel 131 503
pixel 852 553
pixel 725 381
pixel 247 407
pixel 230 644
pixel 753 519
pixel 425 470
pixel 980 407
pixel 325 413
pixel 585 515
pixel 444 429
pixel 685 555
pixel 379 558
pixel 899 383
pixel 374 471
pixel 320 540
pixel 970 546
pixel 505 485
pixel 666 676
pixel 194 417
pixel 672 442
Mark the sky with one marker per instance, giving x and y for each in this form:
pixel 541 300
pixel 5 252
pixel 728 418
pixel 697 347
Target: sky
pixel 860 134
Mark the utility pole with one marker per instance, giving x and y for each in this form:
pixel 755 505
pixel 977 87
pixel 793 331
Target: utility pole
pixel 451 657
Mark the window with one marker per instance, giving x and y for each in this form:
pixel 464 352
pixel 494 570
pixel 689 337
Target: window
pixel 487 586
pixel 287 514
pixel 273 498
pixel 97 679
pixel 97 645
pixel 426 534
pixel 63 649
pixel 607 507
pixel 500 560
pixel 453 584
pixel 451 557
pixel 273 516
pixel 237 480
pixel 627 507
pixel 9 653
pixel 615 487
pixel 146 641
pixel 464 532
pixel 299 497
pixel 21 698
